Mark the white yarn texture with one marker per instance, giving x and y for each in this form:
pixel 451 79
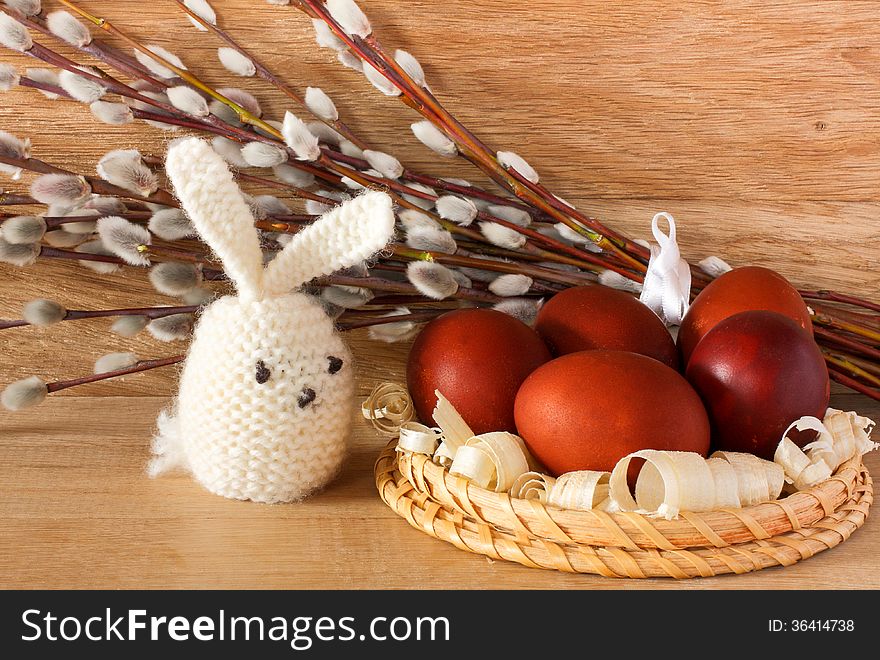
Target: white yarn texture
pixel 263 409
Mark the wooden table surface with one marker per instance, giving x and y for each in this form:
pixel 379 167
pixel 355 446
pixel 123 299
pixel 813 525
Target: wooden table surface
pixel 754 123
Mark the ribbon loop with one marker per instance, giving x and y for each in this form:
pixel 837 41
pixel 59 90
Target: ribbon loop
pixel 667 286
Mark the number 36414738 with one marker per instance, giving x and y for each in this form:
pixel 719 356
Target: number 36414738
pixel 811 625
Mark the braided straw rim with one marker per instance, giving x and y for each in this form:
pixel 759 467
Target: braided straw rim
pixel 623 544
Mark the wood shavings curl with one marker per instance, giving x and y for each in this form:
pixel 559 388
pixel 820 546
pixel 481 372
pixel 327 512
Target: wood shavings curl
pixel 532 486
pixel 842 436
pixel 491 460
pixel 388 408
pixel 582 490
pixel 418 438
pixel 675 481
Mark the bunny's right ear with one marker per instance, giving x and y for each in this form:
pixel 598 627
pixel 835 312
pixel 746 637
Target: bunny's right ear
pixel 342 237
pixel 213 202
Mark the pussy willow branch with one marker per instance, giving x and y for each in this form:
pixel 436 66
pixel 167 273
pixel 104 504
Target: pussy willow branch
pixel 867 365
pixel 98 185
pixel 115 86
pixel 101 187
pixel 363 313
pixel 244 115
pixel 473 192
pixel 49 56
pixel 14 199
pixel 142 365
pixel 269 76
pixel 830 322
pixel 545 274
pixel 148 365
pixel 587 260
pixel 100 51
pixel 275 223
pixel 836 375
pixel 396 299
pixel 859 361
pixel 426 104
pixel 392 286
pixel 842 362
pixel 324 160
pixel 270 225
pixel 840 298
pixel 53 222
pixel 79 314
pixel 866 319
pixel 538 287
pixel 24 81
pixel 266 74
pixel 241 135
pixel 851 344
pixel 371 283
pixel 327 163
pixel 47 252
pixel 351 318
pixel 578 257
pixel 414 317
pixel 423 101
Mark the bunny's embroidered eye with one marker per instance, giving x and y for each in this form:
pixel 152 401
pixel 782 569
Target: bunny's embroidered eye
pixel 335 364
pixel 306 397
pixel 263 373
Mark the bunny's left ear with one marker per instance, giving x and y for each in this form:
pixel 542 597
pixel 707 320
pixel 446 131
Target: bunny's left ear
pixel 342 237
pixel 211 198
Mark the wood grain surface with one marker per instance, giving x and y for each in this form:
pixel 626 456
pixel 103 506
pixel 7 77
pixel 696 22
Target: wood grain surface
pixel 755 123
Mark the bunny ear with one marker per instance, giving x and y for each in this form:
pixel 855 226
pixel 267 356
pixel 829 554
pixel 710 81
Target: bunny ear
pixel 342 237
pixel 212 200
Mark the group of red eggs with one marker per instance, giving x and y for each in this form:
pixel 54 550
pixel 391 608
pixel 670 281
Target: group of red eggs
pixel 600 376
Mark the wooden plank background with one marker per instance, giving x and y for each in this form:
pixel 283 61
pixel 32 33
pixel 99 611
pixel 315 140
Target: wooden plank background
pixel 755 123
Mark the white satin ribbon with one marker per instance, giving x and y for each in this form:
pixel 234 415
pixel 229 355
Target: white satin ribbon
pixel 667 286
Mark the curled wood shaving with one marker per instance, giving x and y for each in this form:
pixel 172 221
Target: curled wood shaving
pixel 582 490
pixel 444 455
pixel 418 438
pixel 675 481
pixel 388 408
pixel 532 486
pixel 456 432
pixel 757 480
pixel 841 436
pixel 491 460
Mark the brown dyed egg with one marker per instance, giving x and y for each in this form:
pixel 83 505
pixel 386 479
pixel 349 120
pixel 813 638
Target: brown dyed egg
pixel 757 372
pixel 477 358
pixel 587 410
pixel 593 317
pixel 740 290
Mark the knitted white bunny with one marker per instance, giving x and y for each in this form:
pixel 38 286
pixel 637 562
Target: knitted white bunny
pixel 263 411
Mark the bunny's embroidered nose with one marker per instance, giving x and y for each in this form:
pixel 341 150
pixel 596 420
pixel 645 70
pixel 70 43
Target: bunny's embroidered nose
pixel 306 397
pixel 263 373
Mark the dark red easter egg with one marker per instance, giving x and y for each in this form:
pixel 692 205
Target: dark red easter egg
pixel 587 410
pixel 740 290
pixel 757 372
pixel 477 358
pixel 585 318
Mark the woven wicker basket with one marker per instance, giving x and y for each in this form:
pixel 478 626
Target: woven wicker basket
pixel 777 533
